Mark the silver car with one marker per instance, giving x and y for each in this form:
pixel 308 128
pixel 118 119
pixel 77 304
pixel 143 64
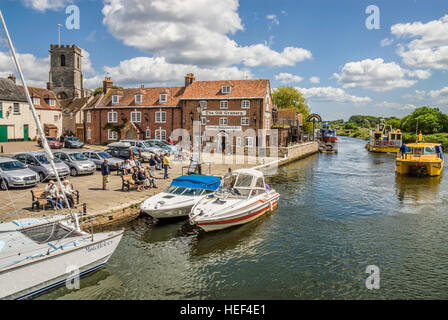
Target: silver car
pixel 98 158
pixel 77 162
pixel 14 173
pixel 39 163
pixel 144 146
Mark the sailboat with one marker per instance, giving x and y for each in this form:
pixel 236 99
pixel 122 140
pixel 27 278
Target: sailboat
pixel 40 254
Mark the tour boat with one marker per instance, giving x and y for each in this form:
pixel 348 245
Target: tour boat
pixel 384 139
pixel 242 197
pixel 326 134
pixel 421 159
pixel 178 199
pixel 41 253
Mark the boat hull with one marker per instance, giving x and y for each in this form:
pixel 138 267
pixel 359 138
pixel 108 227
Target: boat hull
pixel 382 149
pixel 431 169
pixel 168 213
pixel 55 269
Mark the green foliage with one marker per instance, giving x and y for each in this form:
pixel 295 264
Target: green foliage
pixel 289 97
pixel 100 90
pixel 350 126
pixel 430 121
pixel 116 128
pixel 365 121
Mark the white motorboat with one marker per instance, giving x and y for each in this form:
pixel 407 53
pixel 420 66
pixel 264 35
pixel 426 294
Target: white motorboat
pixel 37 255
pixel 178 199
pixel 241 198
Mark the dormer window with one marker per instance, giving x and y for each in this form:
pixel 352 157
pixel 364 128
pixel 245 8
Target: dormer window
pixel 225 89
pixel 52 102
pixel 36 101
pixel 115 99
pixel 163 98
pixel 138 99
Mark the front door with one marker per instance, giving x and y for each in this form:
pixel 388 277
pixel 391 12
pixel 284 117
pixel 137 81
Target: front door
pixel 25 132
pixel 3 134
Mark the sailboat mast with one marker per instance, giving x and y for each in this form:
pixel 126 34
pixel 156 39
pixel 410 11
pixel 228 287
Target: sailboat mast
pixel 47 149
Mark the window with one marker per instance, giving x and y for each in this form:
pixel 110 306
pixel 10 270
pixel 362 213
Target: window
pixel 267 107
pixel 223 121
pixel 245 104
pixel 203 121
pixel 224 104
pixel 148 133
pixel 160 117
pixel 112 135
pixel 89 116
pixel 138 98
pixel 249 141
pixel 89 133
pixel 244 121
pixel 203 104
pixel 112 116
pixel 16 108
pixel 115 99
pixel 267 123
pixel 161 134
pixel 56 118
pixel 225 89
pixel 136 116
pixel 239 141
pixel 62 61
pixel 52 102
pixel 36 101
pixel 163 98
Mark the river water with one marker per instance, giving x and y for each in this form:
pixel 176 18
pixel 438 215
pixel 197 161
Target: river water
pixel 337 214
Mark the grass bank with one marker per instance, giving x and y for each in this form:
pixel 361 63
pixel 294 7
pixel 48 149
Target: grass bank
pixel 360 133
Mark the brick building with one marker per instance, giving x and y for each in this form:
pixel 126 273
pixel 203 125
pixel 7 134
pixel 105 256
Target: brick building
pixel 229 107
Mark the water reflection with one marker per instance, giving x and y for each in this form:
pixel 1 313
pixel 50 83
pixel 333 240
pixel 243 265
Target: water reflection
pixel 417 189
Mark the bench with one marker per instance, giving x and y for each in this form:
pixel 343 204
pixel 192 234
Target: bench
pixel 127 182
pixel 38 199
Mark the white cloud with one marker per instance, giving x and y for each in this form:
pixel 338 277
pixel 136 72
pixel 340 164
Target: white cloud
pixel 288 78
pixel 437 97
pixel 396 105
pixel 386 42
pixel 331 94
pixel 35 69
pixel 429 45
pixel 315 80
pixel 191 32
pixel 377 75
pixel 43 5
pixel 157 71
pixel 273 18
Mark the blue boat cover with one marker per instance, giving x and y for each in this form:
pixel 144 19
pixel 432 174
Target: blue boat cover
pixel 197 181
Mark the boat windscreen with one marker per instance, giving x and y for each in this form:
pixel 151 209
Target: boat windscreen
pixel 49 233
pixel 244 180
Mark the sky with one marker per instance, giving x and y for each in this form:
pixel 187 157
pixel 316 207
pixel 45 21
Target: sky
pixel 343 57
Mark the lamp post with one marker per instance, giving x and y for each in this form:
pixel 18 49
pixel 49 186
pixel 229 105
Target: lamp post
pixel 200 109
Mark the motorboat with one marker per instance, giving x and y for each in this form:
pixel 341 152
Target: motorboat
pixel 384 139
pixel 327 134
pixel 242 197
pixel 421 159
pixel 178 199
pixel 38 254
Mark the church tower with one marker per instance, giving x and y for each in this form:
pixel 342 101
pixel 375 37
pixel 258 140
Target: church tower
pixel 66 79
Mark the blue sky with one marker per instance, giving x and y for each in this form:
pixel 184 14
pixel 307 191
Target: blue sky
pixel 323 48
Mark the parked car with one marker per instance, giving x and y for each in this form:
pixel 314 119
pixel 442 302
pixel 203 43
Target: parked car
pixel 124 151
pixel 163 145
pixel 53 143
pixel 39 163
pixel 98 158
pixel 77 162
pixel 14 173
pixel 73 142
pixel 143 146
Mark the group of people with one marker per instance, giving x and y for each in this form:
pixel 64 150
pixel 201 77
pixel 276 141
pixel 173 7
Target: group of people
pixel 55 196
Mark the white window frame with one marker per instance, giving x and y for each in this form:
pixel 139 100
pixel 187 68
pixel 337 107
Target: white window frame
pixel 160 116
pixel 224 104
pixel 138 99
pixel 136 116
pixel 221 122
pixel 245 104
pixel 52 102
pixel 267 123
pixel 36 101
pixel 203 121
pixel 88 116
pixel 112 135
pixel 239 141
pixel 246 141
pixel 16 110
pixel 203 104
pixel 148 133
pixel 115 99
pixel 89 133
pixel 225 89
pixel 163 98
pixel 160 134
pixel 112 117
pixel 245 121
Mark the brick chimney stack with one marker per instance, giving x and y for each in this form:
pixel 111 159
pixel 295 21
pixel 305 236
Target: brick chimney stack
pixel 189 79
pixel 107 84
pixel 12 77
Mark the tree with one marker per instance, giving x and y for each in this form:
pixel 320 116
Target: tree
pixel 289 97
pixel 429 121
pixel 100 90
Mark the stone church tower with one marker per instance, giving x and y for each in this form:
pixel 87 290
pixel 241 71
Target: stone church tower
pixel 66 79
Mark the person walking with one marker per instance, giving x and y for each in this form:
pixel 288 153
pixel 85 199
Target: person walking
pixel 105 171
pixel 166 164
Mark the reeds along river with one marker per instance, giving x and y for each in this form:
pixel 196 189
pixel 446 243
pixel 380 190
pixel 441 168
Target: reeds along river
pixel 338 214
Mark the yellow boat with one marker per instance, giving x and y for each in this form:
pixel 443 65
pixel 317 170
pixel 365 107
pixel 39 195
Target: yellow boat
pixel 384 139
pixel 421 159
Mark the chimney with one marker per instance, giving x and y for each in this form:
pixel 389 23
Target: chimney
pixel 12 77
pixel 107 84
pixel 189 79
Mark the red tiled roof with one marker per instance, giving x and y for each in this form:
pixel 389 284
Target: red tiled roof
pixel 42 94
pixel 150 97
pixel 238 89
